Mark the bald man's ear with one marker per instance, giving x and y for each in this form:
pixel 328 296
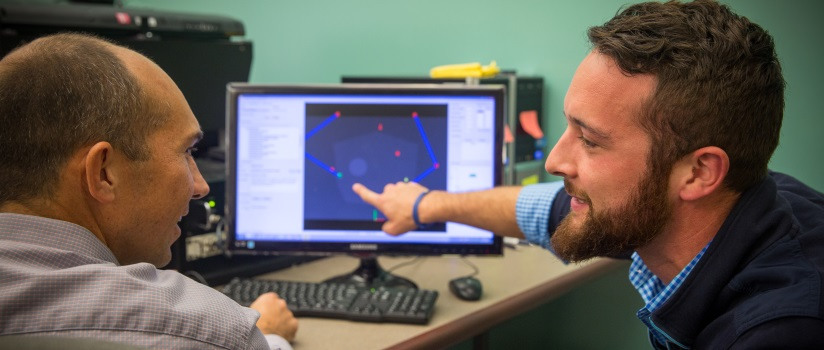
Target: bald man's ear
pixel 701 172
pixel 100 174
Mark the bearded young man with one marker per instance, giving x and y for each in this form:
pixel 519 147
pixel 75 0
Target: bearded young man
pixel 671 121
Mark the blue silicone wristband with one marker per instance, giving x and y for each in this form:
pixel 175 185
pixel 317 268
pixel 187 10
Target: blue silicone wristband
pixel 415 210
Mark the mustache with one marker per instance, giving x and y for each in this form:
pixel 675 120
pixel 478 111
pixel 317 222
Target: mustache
pixel 575 192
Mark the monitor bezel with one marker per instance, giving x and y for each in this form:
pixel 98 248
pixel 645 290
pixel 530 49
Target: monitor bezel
pixel 234 90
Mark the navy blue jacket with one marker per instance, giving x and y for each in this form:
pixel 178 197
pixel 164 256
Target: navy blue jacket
pixel 759 284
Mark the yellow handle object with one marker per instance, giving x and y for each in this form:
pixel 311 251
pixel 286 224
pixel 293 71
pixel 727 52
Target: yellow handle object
pixel 464 70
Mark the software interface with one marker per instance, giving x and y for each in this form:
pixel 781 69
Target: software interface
pixel 298 156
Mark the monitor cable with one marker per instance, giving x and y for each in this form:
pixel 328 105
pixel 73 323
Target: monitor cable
pixel 220 233
pixel 402 264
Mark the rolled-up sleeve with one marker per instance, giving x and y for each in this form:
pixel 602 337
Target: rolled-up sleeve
pixel 532 211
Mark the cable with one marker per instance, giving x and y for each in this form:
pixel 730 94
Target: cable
pixel 405 263
pixel 220 226
pixel 195 276
pixel 475 268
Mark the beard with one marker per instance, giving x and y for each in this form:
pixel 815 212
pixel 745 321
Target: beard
pixel 615 231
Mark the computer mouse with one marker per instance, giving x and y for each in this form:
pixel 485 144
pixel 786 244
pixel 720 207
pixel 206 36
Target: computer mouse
pixel 466 288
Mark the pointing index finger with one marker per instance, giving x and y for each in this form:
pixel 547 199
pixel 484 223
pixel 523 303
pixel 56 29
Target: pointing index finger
pixel 366 194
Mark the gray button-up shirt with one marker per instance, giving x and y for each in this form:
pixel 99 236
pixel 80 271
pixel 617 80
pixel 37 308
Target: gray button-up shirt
pixel 57 278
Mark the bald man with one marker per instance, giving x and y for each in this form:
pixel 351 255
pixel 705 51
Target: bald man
pixel 96 144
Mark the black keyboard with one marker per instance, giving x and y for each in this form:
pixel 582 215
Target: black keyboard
pixel 341 301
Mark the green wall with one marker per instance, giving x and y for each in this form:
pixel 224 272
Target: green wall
pixel 317 41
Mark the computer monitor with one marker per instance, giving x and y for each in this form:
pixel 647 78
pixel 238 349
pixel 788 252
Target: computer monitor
pixel 295 151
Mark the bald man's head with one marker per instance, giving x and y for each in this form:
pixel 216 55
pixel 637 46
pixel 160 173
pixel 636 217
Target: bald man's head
pixel 60 93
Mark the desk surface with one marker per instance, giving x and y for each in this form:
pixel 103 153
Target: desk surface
pixel 520 280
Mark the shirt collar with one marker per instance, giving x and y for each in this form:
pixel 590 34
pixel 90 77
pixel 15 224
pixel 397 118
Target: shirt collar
pixel 653 291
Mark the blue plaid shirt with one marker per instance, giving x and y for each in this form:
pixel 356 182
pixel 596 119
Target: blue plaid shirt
pixel 654 292
pixel 532 211
pixel 532 214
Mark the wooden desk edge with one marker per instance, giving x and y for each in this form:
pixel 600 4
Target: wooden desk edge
pixel 482 320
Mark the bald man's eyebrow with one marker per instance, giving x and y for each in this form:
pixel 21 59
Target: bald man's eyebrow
pixel 193 138
pixel 198 136
pixel 603 135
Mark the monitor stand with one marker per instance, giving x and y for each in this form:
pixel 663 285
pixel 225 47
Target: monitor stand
pixel 370 274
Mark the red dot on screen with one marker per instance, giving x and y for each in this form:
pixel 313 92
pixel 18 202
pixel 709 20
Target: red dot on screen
pixel 397 153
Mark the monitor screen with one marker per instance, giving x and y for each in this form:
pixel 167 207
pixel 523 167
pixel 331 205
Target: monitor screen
pixel 295 151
